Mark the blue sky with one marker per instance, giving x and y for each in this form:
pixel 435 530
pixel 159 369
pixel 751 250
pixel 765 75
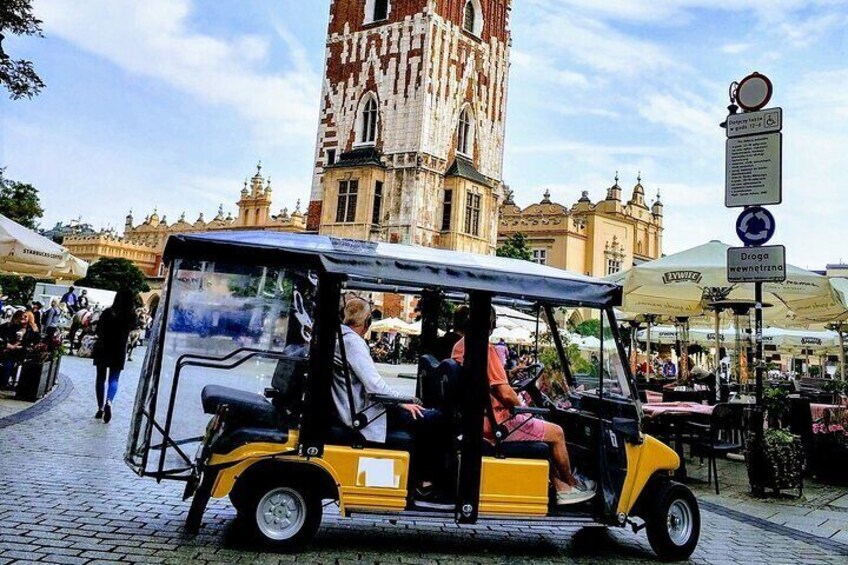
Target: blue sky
pixel 172 102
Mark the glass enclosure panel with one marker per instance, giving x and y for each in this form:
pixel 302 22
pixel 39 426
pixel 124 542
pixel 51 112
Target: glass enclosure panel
pixel 230 318
pixel 615 377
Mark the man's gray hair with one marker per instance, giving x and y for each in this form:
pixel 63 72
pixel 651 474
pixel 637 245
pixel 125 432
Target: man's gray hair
pixel 356 312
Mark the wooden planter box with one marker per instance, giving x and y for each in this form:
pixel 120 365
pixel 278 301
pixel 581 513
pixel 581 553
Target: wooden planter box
pixel 33 382
pixel 775 467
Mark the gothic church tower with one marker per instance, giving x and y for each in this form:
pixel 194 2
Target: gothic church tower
pixel 411 134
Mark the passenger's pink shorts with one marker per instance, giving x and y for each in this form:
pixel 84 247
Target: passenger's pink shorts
pixel 526 428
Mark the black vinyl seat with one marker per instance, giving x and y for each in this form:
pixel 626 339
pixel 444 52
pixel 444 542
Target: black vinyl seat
pixel 242 436
pixel 339 434
pixel 248 407
pixel 518 450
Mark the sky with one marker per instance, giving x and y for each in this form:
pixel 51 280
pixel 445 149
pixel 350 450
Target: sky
pixel 171 104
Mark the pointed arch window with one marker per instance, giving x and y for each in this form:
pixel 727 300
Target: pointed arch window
pixel 469 17
pixel 368 121
pixel 465 133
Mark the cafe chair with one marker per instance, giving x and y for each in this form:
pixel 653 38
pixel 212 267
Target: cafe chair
pixel 717 438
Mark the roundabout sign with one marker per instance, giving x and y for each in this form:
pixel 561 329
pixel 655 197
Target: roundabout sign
pixel 755 226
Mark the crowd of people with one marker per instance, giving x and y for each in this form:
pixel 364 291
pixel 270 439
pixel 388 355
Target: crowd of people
pixel 106 336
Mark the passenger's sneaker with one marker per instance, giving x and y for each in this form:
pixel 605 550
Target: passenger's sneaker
pixel 432 498
pixel 585 483
pixel 575 495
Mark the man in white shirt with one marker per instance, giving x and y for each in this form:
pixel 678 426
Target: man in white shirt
pixel 426 426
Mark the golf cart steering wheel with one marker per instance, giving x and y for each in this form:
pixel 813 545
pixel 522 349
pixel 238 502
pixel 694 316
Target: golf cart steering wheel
pixel 527 377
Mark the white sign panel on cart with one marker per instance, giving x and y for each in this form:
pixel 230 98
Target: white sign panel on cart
pixel 754 171
pixel 752 123
pixel 756 264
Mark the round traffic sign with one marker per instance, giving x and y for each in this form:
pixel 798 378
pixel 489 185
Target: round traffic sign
pixel 754 92
pixel 755 226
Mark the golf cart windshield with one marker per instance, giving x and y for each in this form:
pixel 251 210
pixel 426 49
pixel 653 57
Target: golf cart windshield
pixel 225 324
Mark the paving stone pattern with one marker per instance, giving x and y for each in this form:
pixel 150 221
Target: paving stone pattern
pixel 67 497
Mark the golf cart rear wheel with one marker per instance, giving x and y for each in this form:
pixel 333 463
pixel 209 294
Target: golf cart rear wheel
pixel 285 515
pixel 673 522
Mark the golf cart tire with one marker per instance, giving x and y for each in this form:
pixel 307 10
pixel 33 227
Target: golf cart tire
pixel 283 515
pixel 673 521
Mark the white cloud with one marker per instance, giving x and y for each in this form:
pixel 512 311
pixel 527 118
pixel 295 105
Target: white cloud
pixel 154 39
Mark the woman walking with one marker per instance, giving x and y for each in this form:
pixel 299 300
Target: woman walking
pixel 110 350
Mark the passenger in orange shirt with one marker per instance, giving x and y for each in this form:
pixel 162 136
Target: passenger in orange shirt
pixel 523 427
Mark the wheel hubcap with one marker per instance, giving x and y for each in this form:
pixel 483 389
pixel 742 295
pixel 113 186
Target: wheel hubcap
pixel 281 513
pixel 679 522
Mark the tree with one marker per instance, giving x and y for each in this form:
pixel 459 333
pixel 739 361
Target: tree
pixel 19 202
pixel 589 328
pixel 515 247
pixel 112 273
pixel 18 76
pixel 18 290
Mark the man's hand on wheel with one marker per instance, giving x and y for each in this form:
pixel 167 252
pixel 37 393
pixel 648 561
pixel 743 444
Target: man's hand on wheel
pixel 414 409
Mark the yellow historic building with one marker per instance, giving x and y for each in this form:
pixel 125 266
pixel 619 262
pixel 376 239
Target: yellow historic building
pixel 144 243
pixel 596 239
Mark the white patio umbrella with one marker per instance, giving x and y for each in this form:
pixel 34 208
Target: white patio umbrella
pixel 24 252
pixel 684 283
pixel 511 319
pixel 390 325
pixel 667 335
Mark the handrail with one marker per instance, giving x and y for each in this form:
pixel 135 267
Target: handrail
pixel 194 360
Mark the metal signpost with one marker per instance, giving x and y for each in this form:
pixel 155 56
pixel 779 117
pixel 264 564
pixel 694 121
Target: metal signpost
pixel 754 179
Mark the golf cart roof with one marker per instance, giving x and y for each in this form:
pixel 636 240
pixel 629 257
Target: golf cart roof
pixel 401 266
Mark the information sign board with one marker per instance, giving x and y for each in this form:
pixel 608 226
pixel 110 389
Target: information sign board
pixel 752 123
pixel 753 172
pixel 756 264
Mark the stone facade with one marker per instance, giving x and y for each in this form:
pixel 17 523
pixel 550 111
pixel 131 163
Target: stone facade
pixel 144 243
pixel 595 239
pixel 398 84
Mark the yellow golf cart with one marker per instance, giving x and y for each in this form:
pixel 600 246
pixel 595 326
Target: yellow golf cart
pixel 236 398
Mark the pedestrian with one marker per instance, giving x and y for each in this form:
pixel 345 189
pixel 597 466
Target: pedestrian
pixel 110 350
pixel 82 301
pixel 70 300
pixel 12 337
pixel 52 317
pixel 33 317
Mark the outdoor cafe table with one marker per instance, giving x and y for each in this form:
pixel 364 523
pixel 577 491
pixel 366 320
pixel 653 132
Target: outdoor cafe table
pixel 676 414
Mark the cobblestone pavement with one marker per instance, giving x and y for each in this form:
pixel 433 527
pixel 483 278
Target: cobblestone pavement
pixel 67 497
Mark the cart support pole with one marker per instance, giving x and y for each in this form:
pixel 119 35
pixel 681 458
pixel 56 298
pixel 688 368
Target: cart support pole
pixel 758 334
pixel 718 354
pixel 474 399
pixel 841 331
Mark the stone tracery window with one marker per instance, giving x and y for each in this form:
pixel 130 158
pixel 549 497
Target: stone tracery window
pixel 614 253
pixel 464 136
pixel 368 121
pixel 469 17
pixel 472 17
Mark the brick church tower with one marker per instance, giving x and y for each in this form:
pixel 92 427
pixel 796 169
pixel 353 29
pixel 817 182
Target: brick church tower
pixel 411 136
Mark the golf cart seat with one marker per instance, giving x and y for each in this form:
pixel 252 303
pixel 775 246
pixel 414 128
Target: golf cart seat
pixel 248 407
pixel 339 434
pixel 518 450
pixel 238 437
pixel 430 382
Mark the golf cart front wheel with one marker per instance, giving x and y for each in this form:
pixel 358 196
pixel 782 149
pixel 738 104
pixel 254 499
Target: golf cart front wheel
pixel 674 522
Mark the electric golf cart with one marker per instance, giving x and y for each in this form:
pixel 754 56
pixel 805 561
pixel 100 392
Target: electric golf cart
pixel 235 397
